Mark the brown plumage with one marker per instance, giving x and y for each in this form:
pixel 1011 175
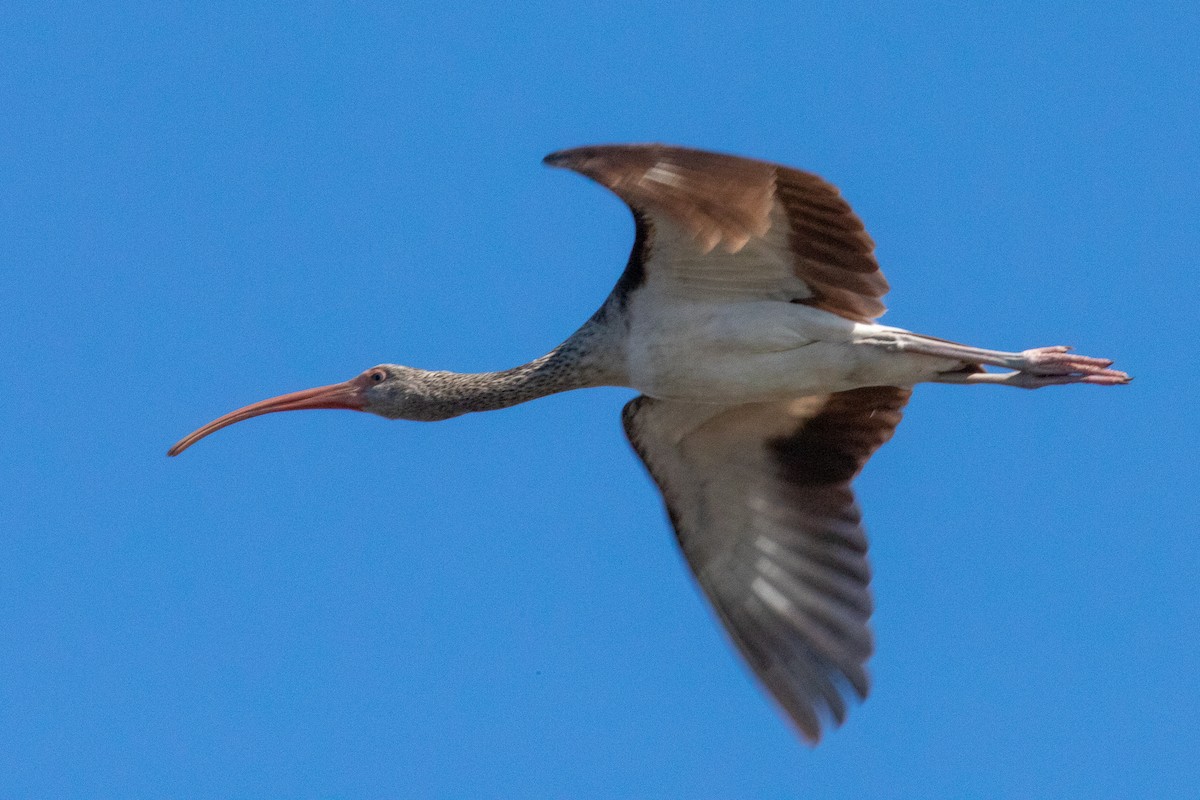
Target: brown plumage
pixel 725 201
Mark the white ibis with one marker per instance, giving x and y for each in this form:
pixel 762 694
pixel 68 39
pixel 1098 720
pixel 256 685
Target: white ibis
pixel 746 319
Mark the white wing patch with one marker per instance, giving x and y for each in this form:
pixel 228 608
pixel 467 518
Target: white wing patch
pixel 662 173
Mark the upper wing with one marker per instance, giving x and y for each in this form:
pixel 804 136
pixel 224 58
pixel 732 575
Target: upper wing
pixel 713 223
pixel 761 502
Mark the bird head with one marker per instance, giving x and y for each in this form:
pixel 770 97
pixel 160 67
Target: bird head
pixel 388 390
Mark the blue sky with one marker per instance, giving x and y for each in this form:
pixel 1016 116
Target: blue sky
pixel 203 207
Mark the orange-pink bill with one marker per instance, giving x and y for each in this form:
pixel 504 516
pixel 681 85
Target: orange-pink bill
pixel 338 395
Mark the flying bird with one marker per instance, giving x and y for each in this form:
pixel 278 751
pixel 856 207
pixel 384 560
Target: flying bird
pixel 746 318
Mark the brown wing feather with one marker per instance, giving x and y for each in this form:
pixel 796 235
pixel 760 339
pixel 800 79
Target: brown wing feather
pixel 719 199
pixel 834 254
pixel 725 201
pixel 760 499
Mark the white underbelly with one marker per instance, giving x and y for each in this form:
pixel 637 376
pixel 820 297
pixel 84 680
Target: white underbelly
pixel 779 352
pixel 816 368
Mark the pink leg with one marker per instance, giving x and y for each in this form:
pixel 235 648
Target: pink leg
pixel 1032 380
pixel 1033 369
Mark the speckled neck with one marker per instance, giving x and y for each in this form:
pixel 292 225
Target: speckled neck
pixel 580 362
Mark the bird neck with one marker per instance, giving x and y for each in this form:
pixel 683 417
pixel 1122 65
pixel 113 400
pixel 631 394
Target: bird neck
pixel 449 394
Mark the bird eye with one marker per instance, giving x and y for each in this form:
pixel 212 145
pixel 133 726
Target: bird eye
pixel 377 376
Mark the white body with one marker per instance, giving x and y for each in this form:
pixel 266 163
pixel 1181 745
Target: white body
pixel 759 350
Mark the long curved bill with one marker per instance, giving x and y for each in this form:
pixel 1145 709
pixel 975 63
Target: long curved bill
pixel 339 395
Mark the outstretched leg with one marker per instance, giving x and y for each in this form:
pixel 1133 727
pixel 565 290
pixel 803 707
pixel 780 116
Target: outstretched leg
pixel 1032 380
pixel 1031 369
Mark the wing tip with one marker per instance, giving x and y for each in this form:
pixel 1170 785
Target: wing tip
pixel 574 157
pixel 560 159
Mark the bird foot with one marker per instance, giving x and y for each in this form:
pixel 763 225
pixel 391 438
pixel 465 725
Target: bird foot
pixel 1058 362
